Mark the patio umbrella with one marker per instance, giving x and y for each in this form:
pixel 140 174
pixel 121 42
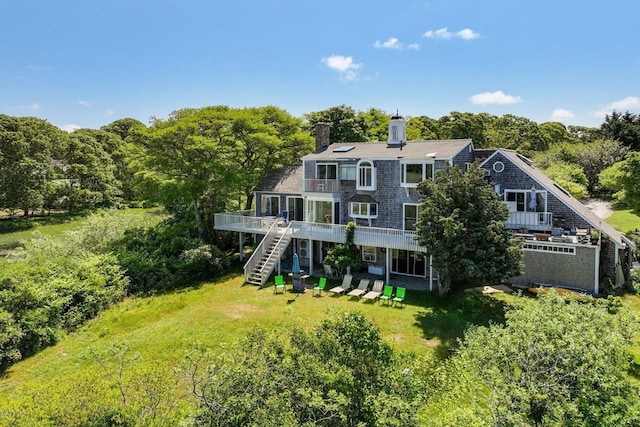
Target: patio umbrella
pixel 533 203
pixel 296 264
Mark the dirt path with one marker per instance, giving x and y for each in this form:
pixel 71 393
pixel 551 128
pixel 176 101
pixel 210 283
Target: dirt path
pixel 599 207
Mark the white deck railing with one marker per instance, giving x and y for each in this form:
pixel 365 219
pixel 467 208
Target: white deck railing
pixel 365 236
pixel 533 220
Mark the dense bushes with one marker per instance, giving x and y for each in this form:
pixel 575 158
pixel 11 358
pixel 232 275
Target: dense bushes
pixel 167 257
pixel 53 285
pixel 38 302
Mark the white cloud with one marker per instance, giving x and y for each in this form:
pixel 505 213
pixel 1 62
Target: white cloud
pixel 497 97
pixel 467 34
pixel 394 43
pixel 70 127
pixel 85 103
pixel 109 113
pixel 561 115
pixel 344 65
pixel 445 34
pixel 630 103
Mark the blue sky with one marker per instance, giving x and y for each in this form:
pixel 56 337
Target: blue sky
pixel 81 63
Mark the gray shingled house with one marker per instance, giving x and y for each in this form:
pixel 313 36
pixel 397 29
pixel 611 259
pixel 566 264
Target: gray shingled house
pixel 306 207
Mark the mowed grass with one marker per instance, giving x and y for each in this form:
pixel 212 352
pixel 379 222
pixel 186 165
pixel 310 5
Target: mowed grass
pixel 625 220
pixel 162 328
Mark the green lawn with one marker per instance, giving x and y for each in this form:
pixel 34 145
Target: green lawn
pixel 162 328
pixel 625 221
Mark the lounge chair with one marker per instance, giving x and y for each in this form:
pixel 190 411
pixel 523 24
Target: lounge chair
pixel 387 294
pixel 362 289
pixel 322 284
pixel 279 285
pixel 344 287
pixel 399 297
pixel 376 291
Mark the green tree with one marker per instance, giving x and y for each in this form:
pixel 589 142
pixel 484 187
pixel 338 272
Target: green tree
pixel 346 124
pixel 337 374
pixel 518 133
pixel 462 225
pixel 344 255
pixel 208 157
pixel 596 157
pixel 465 125
pixel 623 179
pixel 27 147
pixel 422 128
pixel 89 171
pixel 624 128
pixel 122 127
pixel 570 176
pixel 557 363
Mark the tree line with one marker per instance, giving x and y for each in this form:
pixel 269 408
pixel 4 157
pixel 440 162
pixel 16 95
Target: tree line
pixel 210 159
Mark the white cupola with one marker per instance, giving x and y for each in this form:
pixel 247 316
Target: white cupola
pixel 397 130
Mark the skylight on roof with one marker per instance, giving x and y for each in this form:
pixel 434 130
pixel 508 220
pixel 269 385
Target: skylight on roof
pixel 343 149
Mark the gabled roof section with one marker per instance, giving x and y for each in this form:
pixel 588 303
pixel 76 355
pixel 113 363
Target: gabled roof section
pixel 284 180
pixel 526 165
pixel 440 149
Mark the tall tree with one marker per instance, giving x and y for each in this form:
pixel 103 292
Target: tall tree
pixel 623 178
pixel 209 156
pixel 346 124
pixel 516 132
pixel 622 127
pixel 465 125
pixel 462 223
pixel 27 146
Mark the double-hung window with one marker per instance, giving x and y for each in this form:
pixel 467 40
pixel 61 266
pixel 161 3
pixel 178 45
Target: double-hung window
pixel 366 178
pixel 414 172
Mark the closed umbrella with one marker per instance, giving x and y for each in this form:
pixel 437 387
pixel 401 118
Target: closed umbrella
pixel 533 203
pixel 296 264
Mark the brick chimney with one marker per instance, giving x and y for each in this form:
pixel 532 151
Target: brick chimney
pixel 322 135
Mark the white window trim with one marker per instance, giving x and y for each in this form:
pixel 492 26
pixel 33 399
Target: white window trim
pixel 424 163
pixel 360 166
pixel 368 215
pixel 369 254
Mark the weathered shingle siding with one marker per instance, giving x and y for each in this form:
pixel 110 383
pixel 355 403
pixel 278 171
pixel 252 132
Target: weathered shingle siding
pixel 514 178
pixel 463 157
pixel 389 194
pixel 573 271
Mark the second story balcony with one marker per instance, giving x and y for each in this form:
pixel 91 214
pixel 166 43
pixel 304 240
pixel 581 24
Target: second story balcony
pixel 542 221
pixel 321 186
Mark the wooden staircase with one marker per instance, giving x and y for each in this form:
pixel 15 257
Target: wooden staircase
pixel 267 256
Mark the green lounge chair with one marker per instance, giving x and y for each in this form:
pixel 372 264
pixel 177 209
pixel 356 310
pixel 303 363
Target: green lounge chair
pixel 387 294
pixel 322 283
pixel 399 297
pixel 279 285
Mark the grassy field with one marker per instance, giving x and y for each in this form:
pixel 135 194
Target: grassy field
pixel 53 226
pixel 162 328
pixel 625 221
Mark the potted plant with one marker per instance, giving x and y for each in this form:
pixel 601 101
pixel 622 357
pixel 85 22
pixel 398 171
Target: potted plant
pixel 594 237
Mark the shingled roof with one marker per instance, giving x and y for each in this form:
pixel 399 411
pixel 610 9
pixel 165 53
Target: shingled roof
pixel 563 195
pixel 439 149
pixel 284 180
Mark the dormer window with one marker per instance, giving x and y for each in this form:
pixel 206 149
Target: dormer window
pixel 366 175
